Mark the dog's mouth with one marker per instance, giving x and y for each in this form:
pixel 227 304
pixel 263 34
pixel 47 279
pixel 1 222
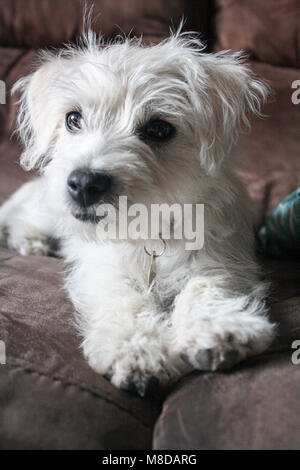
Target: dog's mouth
pixel 91 214
pixel 87 217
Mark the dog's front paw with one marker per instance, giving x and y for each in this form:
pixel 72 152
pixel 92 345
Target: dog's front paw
pixel 207 347
pixel 223 354
pixel 136 369
pixel 31 246
pixel 141 382
pixel 213 331
pixel 139 364
pixel 29 242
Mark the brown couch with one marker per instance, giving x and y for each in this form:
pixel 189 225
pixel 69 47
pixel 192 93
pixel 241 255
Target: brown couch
pixel 49 397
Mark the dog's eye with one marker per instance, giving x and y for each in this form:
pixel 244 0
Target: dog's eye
pixel 73 121
pixel 157 130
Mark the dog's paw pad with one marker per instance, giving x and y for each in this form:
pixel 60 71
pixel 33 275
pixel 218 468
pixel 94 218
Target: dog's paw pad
pixel 213 359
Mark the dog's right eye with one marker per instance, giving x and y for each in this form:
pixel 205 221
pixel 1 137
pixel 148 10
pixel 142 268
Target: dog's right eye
pixel 157 130
pixel 73 121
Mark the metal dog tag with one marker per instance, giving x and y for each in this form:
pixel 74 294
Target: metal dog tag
pixel 152 272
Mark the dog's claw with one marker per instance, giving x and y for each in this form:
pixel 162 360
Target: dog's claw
pixel 148 387
pixel 205 359
pixel 185 358
pixel 141 388
pixel 152 387
pixel 229 360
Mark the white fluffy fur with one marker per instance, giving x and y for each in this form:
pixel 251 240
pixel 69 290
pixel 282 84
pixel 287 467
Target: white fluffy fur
pixel 207 307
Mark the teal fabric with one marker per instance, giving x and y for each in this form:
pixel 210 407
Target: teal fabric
pixel 280 236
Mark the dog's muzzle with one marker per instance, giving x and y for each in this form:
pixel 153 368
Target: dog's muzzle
pixel 87 188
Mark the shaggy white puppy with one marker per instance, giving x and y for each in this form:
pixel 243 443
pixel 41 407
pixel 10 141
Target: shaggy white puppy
pixel 155 124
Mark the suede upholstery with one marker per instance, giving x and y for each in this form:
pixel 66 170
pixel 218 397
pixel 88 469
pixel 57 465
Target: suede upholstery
pixel 267 31
pixel 46 384
pixel 50 398
pixel 43 23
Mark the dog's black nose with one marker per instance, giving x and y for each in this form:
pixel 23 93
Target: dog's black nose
pixel 88 187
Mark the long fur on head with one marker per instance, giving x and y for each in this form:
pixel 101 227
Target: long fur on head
pixel 215 90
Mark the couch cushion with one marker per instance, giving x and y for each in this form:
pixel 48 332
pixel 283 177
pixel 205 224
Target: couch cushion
pixel 268 31
pixel 253 407
pixel 50 397
pixel 267 158
pixel 256 404
pixel 28 24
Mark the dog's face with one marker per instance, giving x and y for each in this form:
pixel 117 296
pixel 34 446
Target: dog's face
pixel 151 123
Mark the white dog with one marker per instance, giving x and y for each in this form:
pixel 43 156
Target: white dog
pixel 155 124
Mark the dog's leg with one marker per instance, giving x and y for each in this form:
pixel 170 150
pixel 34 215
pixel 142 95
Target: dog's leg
pixel 124 336
pixel 25 222
pixel 214 329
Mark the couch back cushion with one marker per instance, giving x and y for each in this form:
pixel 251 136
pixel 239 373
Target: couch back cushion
pixel 43 23
pixel 267 159
pixel 268 30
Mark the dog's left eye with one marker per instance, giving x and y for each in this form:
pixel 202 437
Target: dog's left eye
pixel 73 121
pixel 157 130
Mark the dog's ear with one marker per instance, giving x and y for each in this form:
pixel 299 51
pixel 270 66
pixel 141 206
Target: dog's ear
pixel 36 122
pixel 229 93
